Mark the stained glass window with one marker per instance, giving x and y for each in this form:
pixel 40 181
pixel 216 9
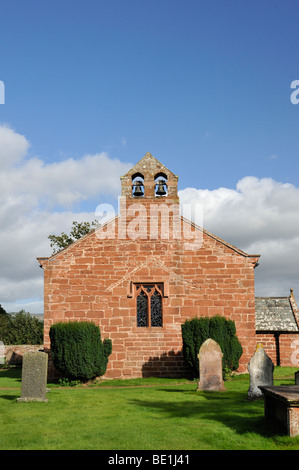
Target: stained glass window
pixel 142 313
pixel 149 305
pixel 156 309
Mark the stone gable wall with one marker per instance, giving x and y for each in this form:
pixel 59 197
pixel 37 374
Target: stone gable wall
pixel 93 280
pixel 14 353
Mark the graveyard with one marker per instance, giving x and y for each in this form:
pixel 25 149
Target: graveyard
pixel 140 414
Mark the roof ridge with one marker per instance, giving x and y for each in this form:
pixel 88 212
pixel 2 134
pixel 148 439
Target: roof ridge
pixel 215 237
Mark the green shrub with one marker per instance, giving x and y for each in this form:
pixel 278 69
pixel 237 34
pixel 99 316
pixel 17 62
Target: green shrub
pixel 197 330
pixel 78 351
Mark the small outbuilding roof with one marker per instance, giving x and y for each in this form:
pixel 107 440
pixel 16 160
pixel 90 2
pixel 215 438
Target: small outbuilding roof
pixel 276 314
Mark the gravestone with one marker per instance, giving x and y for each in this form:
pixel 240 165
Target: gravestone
pixel 34 376
pixel 260 369
pixel 210 366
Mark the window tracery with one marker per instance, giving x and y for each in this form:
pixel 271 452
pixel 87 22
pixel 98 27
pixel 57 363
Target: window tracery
pixel 149 305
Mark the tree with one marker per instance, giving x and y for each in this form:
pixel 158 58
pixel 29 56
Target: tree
pixel 5 325
pixel 21 328
pixel 26 329
pixel 78 230
pixel 2 311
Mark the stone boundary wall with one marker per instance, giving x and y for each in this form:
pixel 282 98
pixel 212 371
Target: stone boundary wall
pixel 282 348
pixel 14 353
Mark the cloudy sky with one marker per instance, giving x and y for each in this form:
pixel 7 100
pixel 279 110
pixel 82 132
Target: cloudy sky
pixel 205 86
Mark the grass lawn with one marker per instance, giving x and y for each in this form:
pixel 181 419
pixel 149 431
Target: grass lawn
pixel 140 414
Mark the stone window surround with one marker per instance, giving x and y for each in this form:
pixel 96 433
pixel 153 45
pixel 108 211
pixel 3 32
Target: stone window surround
pixel 132 291
pixel 131 285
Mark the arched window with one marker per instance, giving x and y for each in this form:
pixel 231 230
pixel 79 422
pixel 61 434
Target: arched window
pixel 156 308
pixel 149 305
pixel 142 309
pixel 137 185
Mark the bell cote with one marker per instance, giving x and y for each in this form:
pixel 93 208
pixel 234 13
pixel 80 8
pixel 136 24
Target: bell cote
pixel 150 180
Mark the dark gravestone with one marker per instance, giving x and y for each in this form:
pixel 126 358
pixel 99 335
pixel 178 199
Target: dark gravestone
pixel 210 366
pixel 34 376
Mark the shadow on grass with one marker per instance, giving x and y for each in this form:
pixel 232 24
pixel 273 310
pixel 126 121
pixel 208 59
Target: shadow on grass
pixel 232 409
pixel 10 397
pixel 13 373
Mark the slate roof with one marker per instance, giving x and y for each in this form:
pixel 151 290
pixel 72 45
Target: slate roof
pixel 275 314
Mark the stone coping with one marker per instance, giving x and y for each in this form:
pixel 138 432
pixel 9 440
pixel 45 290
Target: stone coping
pixel 286 393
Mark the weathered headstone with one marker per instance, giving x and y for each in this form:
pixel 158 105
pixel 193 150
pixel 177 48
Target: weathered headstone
pixel 260 369
pixel 210 366
pixel 34 376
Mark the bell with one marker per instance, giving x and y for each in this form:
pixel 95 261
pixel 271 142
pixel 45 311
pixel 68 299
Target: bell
pixel 137 189
pixel 161 189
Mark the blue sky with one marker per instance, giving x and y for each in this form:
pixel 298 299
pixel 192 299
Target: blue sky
pixel 205 85
pixel 202 85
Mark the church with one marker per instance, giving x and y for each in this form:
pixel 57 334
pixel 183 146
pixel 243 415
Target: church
pixel 143 273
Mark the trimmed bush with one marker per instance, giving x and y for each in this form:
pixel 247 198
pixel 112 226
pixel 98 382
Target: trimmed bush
pixel 78 351
pixel 198 330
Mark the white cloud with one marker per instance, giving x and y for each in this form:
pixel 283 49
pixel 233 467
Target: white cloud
pixel 13 147
pixel 36 200
pixel 260 216
pixel 64 183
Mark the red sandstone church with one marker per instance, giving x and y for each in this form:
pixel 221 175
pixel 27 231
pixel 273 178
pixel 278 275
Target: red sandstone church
pixel 143 273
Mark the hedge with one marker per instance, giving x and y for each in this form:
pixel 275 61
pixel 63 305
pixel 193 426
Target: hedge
pixel 198 330
pixel 78 351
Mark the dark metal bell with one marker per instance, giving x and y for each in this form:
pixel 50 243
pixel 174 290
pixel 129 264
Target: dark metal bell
pixel 161 188
pixel 137 189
